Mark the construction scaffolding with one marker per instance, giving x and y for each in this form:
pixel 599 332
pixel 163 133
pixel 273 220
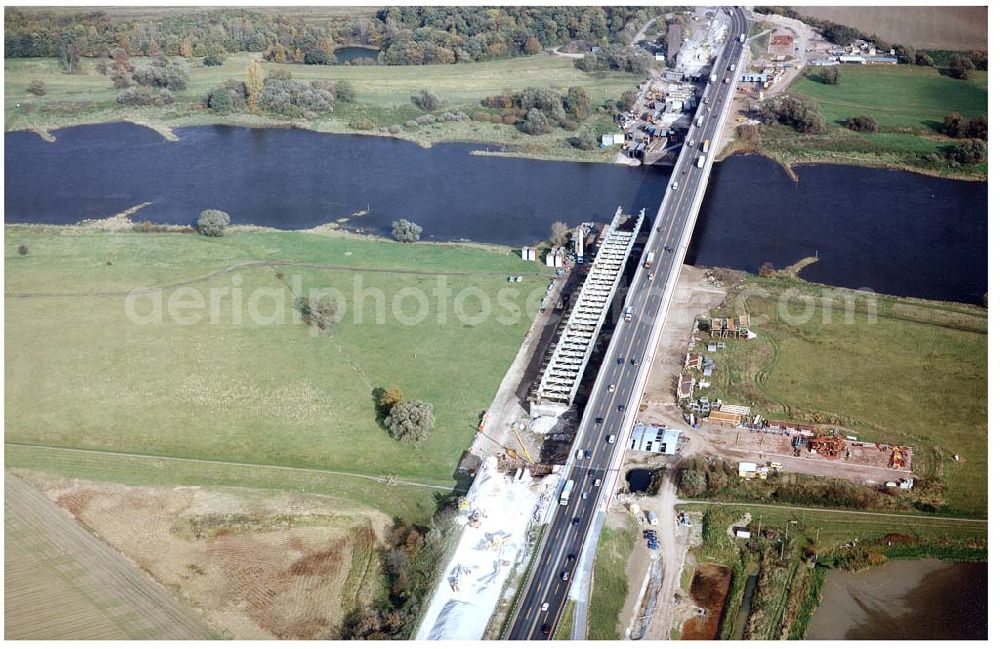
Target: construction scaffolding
pixel 579 330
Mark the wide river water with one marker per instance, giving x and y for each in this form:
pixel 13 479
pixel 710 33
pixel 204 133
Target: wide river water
pixel 889 231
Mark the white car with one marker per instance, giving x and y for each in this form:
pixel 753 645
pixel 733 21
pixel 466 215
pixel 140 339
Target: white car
pixel 583 496
pixel 597 482
pixel 611 387
pixel 545 607
pixel 611 439
pixel 674 186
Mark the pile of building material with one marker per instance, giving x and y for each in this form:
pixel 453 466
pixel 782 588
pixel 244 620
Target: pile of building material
pixel 828 446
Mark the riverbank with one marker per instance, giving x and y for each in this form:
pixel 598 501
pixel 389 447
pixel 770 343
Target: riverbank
pixel 907 102
pixel 383 99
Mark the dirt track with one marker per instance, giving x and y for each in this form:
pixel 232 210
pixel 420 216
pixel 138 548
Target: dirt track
pixel 708 590
pixel 63 583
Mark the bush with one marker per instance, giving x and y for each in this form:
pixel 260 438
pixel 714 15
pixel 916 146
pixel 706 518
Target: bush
pixel 316 56
pixel 968 152
pixel 954 125
pixel 163 73
pixel 577 102
pixel 411 421
pixel 280 74
pixel 535 123
pixel 830 75
pixel 362 124
pixel 294 98
pixel 627 100
pixel 344 91
pixel 923 58
pixel 37 87
pixel 905 54
pixel 212 60
pixel 960 67
pixel 145 97
pixel 406 231
pixel 427 101
pixel 801 113
pixel 220 100
pixel 863 124
pixel 319 312
pixel 22 250
pixel 212 223
pixel 121 80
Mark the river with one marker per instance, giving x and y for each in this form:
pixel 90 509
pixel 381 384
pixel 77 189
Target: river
pixel 904 600
pixel 890 231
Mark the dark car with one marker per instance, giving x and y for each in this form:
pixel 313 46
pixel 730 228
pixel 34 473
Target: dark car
pixel 546 630
pixel 621 407
pixel 586 454
pixel 621 359
pixel 599 420
pixel 590 471
pixel 571 557
pixel 576 521
pixel 633 361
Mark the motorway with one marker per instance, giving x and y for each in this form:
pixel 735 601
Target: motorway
pixel 618 388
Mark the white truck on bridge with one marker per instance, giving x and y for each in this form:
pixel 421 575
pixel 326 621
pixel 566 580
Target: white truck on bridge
pixel 567 490
pixel 701 162
pixel 649 260
pixel 699 121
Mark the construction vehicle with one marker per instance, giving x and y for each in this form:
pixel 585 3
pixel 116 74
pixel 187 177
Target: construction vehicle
pixel 704 145
pixel 567 490
pixel 649 260
pixel 701 162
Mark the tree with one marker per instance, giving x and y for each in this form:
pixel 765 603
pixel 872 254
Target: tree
pixel 905 54
pixel 968 152
pixel 801 113
pixel 212 223
pixel 978 127
pixel 22 250
pixel 863 124
pixel 37 87
pixel 627 100
pixel 255 84
pixel 954 125
pixel 406 231
pixel 69 56
pixel 221 101
pixel 693 482
pixel 389 399
pixel 584 140
pixel 212 60
pixel 830 75
pixel 960 67
pixel 163 73
pixel 319 312
pixel 411 421
pixel 535 123
pixel 577 102
pixel 344 91
pixel 532 45
pixel 560 232
pixel 427 101
pixel 923 58
pixel 316 56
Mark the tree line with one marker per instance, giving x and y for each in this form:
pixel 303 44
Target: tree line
pixel 402 35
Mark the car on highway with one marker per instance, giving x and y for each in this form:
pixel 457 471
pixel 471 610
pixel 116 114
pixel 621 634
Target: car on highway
pixel 611 387
pixel 586 454
pixel 597 482
pixel 571 557
pixel 674 186
pixel 611 439
pixel 621 407
pixel 564 576
pixel 546 630
pixel 545 607
pixel 633 361
pixel 621 359
pixel 670 250
pixel 599 420
pixel 650 277
pixel 583 496
pixel 576 520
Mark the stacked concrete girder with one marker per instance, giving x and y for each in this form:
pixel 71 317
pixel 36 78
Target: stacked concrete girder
pixel 564 370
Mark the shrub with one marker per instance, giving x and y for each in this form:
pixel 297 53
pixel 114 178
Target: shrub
pixel 221 101
pixel 145 97
pixel 960 67
pixel 121 80
pixel 212 223
pixel 954 125
pixel 923 58
pixel 163 73
pixel 577 102
pixel 37 87
pixel 406 231
pixel 427 101
pixel 830 75
pixel 411 421
pixel 294 98
pixel 584 140
pixel 423 120
pixel 319 312
pixel 281 74
pixel 801 113
pixel 863 124
pixel 395 129
pixel 212 60
pixel 22 250
pixel 627 100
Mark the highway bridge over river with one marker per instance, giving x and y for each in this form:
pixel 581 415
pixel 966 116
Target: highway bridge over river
pixel 614 401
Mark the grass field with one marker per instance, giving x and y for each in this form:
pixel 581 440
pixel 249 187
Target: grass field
pixel 610 585
pixel 241 392
pixel 908 102
pixel 916 375
pixel 383 94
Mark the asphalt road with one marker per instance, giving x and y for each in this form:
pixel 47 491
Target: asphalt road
pixel 614 397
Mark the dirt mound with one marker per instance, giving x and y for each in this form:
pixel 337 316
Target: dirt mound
pixel 709 589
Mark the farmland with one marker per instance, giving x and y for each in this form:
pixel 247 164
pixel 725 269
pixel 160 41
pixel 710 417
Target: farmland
pixel 823 368
pixel 908 102
pixel 52 563
pixel 239 391
pixel 945 28
pixel 384 94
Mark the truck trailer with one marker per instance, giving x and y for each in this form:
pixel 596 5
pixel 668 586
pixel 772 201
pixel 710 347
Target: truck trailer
pixel 699 121
pixel 704 145
pixel 701 161
pixel 649 260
